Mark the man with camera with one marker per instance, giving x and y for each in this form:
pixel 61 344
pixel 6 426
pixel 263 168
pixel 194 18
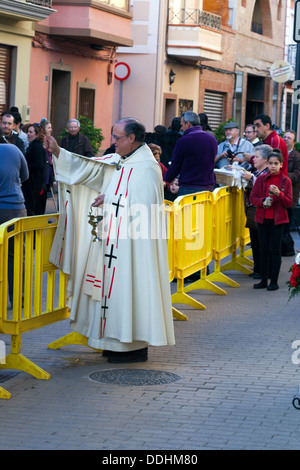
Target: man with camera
pixel 233 147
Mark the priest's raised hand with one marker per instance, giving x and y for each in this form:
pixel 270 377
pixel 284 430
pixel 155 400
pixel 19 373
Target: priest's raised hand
pixel 51 145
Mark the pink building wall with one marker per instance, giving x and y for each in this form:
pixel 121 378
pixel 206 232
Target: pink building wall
pixel 82 17
pixel 82 68
pixel 71 23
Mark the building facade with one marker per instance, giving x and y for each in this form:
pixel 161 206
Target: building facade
pixel 17 29
pixel 211 56
pixel 67 68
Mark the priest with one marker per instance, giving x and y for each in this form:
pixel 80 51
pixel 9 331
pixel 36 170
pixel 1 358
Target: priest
pixel 118 277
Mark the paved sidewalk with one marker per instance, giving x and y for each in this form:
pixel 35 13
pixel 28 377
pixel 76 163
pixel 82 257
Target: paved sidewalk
pixel 230 383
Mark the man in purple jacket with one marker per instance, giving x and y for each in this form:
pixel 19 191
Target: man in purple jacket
pixel 193 157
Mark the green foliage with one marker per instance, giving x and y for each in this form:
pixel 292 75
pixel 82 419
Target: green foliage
pixel 219 131
pixel 297 146
pixel 88 129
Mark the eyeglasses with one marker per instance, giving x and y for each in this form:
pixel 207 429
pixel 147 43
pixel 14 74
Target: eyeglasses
pixel 248 132
pixel 117 138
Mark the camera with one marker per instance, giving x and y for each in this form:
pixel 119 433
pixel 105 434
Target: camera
pixel 230 154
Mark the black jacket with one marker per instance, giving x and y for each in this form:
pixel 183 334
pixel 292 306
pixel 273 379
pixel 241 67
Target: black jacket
pixel 36 158
pixel 80 145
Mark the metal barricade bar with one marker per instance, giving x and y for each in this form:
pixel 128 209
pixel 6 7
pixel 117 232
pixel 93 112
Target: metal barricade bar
pixel 33 275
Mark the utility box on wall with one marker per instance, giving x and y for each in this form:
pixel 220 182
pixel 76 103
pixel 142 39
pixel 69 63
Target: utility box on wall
pixel 25 113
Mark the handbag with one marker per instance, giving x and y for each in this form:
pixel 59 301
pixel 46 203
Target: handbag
pixel 250 215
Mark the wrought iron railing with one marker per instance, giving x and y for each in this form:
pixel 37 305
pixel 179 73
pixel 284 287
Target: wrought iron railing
pixel 188 16
pixel 42 3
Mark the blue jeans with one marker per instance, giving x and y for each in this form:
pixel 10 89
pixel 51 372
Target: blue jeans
pixel 184 190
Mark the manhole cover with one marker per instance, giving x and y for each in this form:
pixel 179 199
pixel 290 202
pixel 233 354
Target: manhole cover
pixel 133 377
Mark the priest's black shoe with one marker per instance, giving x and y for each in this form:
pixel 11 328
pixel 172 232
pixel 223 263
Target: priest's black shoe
pixel 273 286
pixel 106 353
pixel 260 285
pixel 140 355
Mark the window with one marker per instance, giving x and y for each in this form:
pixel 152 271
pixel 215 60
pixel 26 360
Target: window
pixel 238 97
pixel 279 10
pixel 262 18
pixel 214 107
pixel 122 4
pixel 184 105
pixel 275 102
pixel 5 76
pixel 257 26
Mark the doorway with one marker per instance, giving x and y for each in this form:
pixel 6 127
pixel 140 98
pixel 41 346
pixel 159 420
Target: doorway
pixel 170 109
pixel 255 97
pixel 60 100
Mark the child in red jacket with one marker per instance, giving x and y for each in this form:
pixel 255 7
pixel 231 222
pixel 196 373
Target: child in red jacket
pixel 271 195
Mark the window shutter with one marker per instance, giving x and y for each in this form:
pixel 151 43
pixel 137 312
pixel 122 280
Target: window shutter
pixel 213 107
pixel 5 71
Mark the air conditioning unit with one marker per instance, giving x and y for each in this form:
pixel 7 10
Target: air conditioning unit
pixel 25 113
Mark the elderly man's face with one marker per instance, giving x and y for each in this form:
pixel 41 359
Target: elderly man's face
pixel 289 139
pixel 121 140
pixel 232 134
pixel 73 128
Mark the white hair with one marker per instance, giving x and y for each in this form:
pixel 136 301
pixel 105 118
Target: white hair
pixel 73 120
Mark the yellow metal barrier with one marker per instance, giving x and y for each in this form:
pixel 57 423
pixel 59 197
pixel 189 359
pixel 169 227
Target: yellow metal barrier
pixel 238 215
pixel 193 244
pixel 244 237
pixel 76 338
pixel 201 227
pixel 39 297
pixel 169 212
pixel 4 394
pixel 226 231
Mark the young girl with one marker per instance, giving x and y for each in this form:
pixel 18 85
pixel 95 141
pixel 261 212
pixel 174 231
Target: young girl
pixel 271 195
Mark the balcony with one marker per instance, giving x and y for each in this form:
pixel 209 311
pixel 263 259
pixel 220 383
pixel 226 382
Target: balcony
pixel 194 34
pixel 95 22
pixel 43 3
pixel 29 10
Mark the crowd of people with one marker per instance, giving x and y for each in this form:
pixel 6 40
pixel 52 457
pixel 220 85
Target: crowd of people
pixel 263 156
pixel 146 168
pixel 187 154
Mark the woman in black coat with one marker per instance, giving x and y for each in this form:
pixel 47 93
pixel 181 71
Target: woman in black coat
pixel 36 160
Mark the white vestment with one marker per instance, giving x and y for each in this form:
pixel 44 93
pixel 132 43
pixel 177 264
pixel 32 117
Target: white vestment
pixel 118 289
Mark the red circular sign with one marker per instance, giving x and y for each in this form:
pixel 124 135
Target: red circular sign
pixel 122 71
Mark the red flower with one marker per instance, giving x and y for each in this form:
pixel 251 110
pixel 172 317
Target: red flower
pixel 296 270
pixel 293 281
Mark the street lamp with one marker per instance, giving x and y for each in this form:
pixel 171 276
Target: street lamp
pixel 172 76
